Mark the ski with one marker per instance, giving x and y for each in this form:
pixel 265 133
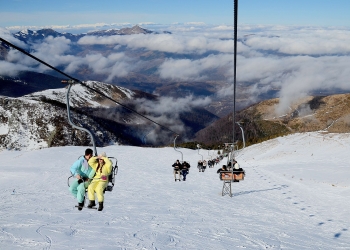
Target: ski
pixel 86 207
pixel 91 207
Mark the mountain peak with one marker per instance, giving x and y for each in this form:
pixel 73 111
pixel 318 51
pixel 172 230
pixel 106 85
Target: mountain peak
pixel 134 30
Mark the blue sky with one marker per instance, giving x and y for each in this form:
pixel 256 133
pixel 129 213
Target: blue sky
pixel 275 12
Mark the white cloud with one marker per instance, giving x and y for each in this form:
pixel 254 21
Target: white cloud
pixel 6 35
pixel 186 69
pixel 166 111
pixel 319 42
pixel 55 51
pixel 163 42
pixel 172 106
pixel 294 60
pixel 11 69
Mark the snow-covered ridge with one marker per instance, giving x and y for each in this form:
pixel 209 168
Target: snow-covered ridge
pixel 39 120
pixel 81 95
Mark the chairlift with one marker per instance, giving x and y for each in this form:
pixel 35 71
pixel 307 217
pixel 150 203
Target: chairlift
pixel 111 177
pixel 200 166
pixel 211 162
pixel 228 177
pixel 233 175
pixel 177 173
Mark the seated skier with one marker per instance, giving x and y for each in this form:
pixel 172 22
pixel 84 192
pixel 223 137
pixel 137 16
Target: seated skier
pixel 177 168
pixel 223 168
pixel 83 173
pixel 185 167
pixel 209 163
pixel 103 168
pixel 200 166
pixel 204 165
pixel 237 169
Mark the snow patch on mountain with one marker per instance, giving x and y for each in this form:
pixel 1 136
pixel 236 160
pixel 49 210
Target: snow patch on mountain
pixel 39 120
pixel 4 129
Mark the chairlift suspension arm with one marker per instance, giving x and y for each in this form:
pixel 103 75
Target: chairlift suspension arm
pixel 198 151
pixel 178 150
pixel 242 134
pixel 75 126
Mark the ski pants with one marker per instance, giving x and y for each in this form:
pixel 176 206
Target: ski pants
pixel 184 173
pixel 78 190
pixel 97 187
pixel 177 172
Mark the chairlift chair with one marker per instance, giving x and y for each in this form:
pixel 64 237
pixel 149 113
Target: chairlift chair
pixel 233 175
pixel 114 172
pixel 200 162
pixel 178 173
pixel 111 177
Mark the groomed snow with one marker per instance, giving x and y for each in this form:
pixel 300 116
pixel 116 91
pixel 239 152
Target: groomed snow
pixel 295 196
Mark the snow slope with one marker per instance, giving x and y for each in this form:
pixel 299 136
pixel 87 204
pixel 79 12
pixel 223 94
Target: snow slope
pixel 295 196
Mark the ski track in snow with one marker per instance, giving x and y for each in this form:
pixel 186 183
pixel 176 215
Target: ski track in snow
pixel 285 202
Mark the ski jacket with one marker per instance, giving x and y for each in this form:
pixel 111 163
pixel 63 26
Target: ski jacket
pixel 176 165
pixel 185 165
pixel 81 167
pixel 101 174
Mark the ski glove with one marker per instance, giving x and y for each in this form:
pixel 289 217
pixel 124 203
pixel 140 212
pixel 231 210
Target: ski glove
pixel 80 181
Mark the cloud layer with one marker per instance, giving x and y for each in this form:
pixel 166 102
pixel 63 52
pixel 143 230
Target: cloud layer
pixel 294 60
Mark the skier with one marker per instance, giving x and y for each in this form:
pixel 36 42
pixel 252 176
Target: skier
pixel 223 168
pixel 200 166
pixel 103 168
pixel 236 165
pixel 185 167
pixel 83 173
pixel 204 165
pixel 177 167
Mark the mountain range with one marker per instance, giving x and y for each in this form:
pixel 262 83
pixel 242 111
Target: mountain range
pixel 28 36
pixel 144 79
pixel 39 119
pixel 45 124
pixel 326 114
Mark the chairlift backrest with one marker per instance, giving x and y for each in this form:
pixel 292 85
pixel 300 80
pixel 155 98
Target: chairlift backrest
pixel 231 176
pixel 114 172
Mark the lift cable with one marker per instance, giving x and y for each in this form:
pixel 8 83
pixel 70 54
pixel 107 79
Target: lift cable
pixel 82 83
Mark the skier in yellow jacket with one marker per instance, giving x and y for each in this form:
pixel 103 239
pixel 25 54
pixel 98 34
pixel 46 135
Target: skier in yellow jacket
pixel 103 168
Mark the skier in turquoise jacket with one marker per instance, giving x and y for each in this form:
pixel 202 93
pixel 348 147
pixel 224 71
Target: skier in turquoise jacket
pixel 83 174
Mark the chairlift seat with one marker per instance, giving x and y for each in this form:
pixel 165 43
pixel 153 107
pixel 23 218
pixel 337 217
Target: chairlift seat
pixel 237 175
